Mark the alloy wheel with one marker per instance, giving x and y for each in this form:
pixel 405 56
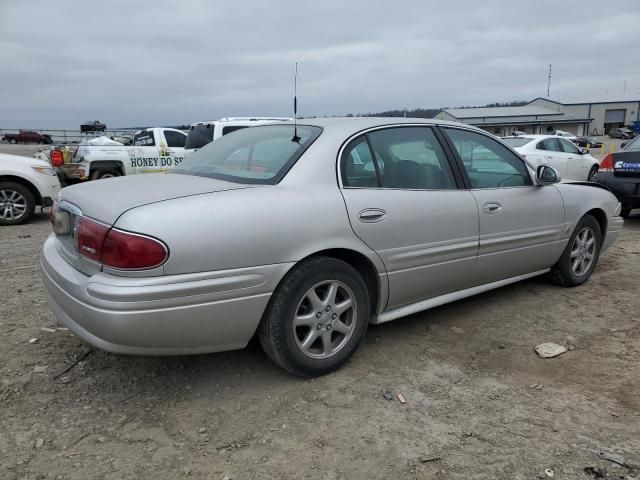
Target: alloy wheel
pixel 583 252
pixel 12 205
pixel 325 319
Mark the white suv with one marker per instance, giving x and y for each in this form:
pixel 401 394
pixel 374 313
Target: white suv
pixel 24 183
pixel 201 133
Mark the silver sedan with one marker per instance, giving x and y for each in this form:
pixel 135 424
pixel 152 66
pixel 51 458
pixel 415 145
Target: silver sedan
pixel 303 235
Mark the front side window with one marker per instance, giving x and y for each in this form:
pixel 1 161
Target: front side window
pixel 568 147
pixel 402 157
pixel 144 139
pixel 261 155
pixel 174 139
pixel 488 163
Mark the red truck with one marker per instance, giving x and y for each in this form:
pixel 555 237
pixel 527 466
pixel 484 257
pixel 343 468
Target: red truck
pixel 27 136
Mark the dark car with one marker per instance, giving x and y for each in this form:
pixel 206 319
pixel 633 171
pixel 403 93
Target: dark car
pixel 27 136
pixel 590 142
pixel 620 172
pixel 94 126
pixel 620 133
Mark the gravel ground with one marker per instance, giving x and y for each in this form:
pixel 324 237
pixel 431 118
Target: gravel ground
pixel 479 402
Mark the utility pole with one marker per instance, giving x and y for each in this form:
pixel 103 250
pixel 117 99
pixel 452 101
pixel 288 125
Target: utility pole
pixel 549 81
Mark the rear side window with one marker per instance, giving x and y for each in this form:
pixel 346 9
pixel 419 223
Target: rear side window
pixel 232 128
pixel 550 145
pixel 403 158
pixel 199 136
pixel 488 163
pixel 144 139
pixel 358 167
pixel 174 139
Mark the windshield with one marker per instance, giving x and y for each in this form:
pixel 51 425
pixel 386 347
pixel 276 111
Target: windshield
pixel 515 142
pixel 633 145
pixel 261 155
pixel 199 136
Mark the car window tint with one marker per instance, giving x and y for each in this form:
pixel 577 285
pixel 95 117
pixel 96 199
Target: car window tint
pixel 232 128
pixel 550 145
pixel 358 169
pixel 488 163
pixel 144 139
pixel 174 139
pixel 633 145
pixel 411 158
pixel 568 147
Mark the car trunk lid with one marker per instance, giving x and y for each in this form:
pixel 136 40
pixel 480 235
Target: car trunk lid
pixel 626 164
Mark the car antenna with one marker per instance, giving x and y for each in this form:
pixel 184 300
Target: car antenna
pixel 295 138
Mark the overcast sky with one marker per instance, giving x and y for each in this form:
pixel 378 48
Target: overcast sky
pixel 148 63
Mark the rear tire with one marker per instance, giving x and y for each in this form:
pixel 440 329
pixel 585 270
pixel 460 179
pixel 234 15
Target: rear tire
pixel 316 318
pixel 581 255
pixel 16 203
pixel 100 174
pixel 593 174
pixel 13 141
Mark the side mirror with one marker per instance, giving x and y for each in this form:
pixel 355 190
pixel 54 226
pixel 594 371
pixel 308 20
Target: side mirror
pixel 583 151
pixel 546 175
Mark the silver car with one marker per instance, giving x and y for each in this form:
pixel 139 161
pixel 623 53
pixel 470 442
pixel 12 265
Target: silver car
pixel 302 235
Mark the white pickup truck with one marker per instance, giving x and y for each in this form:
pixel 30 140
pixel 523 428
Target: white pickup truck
pixel 152 150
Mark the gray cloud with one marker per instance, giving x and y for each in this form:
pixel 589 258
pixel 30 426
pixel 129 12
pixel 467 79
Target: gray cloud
pixel 167 62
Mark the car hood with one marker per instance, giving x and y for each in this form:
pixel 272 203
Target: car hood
pixel 105 200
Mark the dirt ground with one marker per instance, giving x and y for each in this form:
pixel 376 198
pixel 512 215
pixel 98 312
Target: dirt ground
pixel 479 401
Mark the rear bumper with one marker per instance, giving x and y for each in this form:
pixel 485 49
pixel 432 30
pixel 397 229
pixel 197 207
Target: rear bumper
pixel 626 189
pixel 166 315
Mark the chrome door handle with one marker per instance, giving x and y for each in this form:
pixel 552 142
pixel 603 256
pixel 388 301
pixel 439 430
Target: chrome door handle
pixel 372 215
pixel 491 207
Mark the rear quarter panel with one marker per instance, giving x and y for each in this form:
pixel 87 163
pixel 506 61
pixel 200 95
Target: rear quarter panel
pixel 247 227
pixel 581 198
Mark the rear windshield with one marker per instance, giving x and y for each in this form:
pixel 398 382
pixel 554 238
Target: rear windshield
pixel 261 155
pixel 515 142
pixel 199 136
pixel 633 145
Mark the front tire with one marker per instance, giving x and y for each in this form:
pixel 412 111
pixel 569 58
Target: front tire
pixel 316 318
pixel 581 255
pixel 16 203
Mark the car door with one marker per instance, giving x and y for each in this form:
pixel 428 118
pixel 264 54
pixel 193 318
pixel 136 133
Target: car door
pixel 173 153
pixel 577 167
pixel 553 154
pixel 521 224
pixel 144 155
pixel 407 203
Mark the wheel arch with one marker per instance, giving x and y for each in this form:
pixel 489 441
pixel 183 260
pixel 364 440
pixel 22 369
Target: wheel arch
pixel 25 183
pixel 107 164
pixel 601 218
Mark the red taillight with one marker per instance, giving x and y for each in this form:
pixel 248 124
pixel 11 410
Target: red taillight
pixel 119 249
pixel 131 251
pixel 90 238
pixel 57 158
pixel 607 163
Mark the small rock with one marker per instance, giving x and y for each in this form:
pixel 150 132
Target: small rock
pixel 539 387
pixel 549 350
pixel 534 385
pixel 226 477
pixel 202 430
pixel 571 348
pixel 40 443
pixel 47 329
pixel 34 340
pixel 102 439
pixel 542 475
pixel 65 380
pixel 39 369
pixel 548 473
pixel 457 329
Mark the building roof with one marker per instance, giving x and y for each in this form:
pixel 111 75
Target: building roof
pixel 590 100
pixel 524 111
